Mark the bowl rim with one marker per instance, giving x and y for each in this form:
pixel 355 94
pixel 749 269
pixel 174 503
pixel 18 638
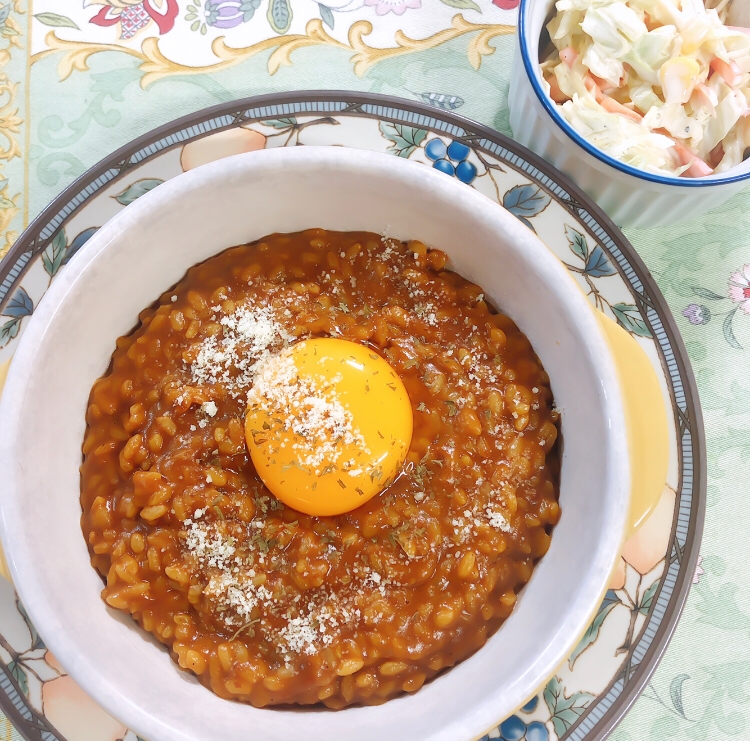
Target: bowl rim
pixel 37 330
pixel 531 66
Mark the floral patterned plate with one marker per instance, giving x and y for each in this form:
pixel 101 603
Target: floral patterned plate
pixel 630 632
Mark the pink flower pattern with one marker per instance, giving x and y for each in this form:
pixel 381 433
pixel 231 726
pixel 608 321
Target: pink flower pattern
pixel 739 288
pixel 698 571
pixel 133 17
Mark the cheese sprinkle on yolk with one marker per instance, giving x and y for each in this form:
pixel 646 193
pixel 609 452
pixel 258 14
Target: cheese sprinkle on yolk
pixel 328 425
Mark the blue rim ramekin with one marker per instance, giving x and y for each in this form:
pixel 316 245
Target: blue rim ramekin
pixel 538 124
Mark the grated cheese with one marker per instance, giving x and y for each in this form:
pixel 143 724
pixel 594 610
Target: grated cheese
pixel 310 621
pixel 498 521
pixel 249 335
pixel 306 407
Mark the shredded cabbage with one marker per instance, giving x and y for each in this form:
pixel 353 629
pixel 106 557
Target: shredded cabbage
pixel 653 83
pixel 619 137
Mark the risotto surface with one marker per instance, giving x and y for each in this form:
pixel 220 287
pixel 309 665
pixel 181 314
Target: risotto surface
pixel 267 605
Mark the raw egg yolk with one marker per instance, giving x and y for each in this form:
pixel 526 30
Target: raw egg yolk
pixel 328 425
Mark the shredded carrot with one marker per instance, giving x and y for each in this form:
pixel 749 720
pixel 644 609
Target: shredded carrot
pixel 592 87
pixel 698 168
pixel 730 72
pixel 603 85
pixel 554 90
pixel 611 105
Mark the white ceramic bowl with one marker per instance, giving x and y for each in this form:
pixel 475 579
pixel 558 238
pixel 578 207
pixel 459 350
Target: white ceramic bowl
pixel 631 197
pixel 148 248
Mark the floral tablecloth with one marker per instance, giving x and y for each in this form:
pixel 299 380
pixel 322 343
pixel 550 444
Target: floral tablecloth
pixel 79 79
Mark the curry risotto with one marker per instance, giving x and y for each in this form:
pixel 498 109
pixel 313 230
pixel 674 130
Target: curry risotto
pixel 267 605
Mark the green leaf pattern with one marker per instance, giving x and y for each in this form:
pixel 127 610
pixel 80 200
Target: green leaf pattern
pixel 525 201
pixel 55 20
pixel 19 307
pixel 675 693
pixel 136 190
pixel 462 4
pixel 405 139
pixel 8 331
pixel 281 123
pixel 280 15
pixel 728 330
pixel 577 242
pixel 54 253
pixel 598 265
pixel 706 294
pixel 326 15
pixel 647 600
pixel 564 709
pixel 19 674
pixel 629 317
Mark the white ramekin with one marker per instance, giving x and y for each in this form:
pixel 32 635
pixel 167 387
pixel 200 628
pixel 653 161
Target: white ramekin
pixel 146 249
pixel 631 197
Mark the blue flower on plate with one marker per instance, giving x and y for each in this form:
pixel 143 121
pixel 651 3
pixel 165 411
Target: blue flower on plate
pixel 452 159
pixel 537 731
pixel 530 706
pixel 512 729
pixel 515 729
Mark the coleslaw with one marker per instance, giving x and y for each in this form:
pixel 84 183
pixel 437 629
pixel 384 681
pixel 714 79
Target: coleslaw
pixel 661 85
